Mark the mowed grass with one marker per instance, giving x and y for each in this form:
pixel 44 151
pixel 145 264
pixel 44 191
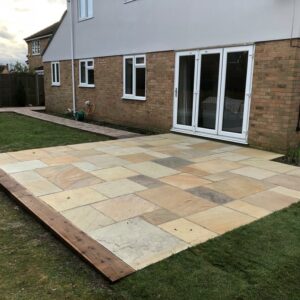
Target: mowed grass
pixel 20 132
pixel 258 261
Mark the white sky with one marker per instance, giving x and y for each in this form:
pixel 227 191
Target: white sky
pixel 22 18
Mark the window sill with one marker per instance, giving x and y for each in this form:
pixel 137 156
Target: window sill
pixel 91 86
pixel 35 54
pixel 55 84
pixel 85 19
pixel 134 98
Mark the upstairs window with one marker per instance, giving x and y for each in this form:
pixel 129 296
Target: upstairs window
pixel 55 73
pixel 135 77
pixel 36 47
pixel 85 8
pixel 86 73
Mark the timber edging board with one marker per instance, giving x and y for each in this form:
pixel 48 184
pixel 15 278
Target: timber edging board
pixel 97 255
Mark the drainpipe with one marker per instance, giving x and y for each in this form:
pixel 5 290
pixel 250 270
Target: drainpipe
pixel 72 57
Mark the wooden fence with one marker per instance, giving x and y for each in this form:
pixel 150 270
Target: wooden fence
pixel 21 90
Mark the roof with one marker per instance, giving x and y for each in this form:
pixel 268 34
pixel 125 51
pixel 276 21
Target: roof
pixel 50 30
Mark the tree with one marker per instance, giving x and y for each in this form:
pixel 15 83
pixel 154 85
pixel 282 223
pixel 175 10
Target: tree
pixel 19 67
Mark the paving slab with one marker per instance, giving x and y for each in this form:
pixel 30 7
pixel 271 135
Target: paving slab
pixel 125 204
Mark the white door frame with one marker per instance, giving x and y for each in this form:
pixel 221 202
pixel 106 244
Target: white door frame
pixel 176 90
pixel 197 128
pixel 244 134
pixel 217 133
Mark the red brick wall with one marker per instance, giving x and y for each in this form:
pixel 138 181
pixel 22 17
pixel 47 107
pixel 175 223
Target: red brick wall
pixel 274 106
pixel 275 96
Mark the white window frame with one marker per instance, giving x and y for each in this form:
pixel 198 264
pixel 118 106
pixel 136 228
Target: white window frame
pixel 56 74
pixel 89 10
pixel 36 47
pixel 87 68
pixel 134 66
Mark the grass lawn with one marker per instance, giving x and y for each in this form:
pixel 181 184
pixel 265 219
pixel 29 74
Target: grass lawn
pixel 258 261
pixel 20 132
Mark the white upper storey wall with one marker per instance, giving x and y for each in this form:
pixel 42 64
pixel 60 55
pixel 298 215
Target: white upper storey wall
pixel 143 26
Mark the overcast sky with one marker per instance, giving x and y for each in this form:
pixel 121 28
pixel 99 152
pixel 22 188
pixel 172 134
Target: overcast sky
pixel 20 19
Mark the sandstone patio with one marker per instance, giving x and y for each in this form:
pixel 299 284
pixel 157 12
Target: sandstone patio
pixel 146 198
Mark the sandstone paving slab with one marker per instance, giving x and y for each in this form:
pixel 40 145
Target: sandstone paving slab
pixel 114 173
pixel 173 162
pixel 87 218
pixel 269 165
pixel 239 187
pixel 23 166
pixel 210 195
pixel 188 232
pixel 288 181
pixel 106 161
pixel 216 166
pixel 220 219
pixel 255 153
pixel 146 181
pixel 73 198
pixel 185 181
pixel 270 200
pixel 85 166
pixel 113 189
pixel 246 208
pixel 152 169
pixel 125 207
pixel 254 172
pixel 159 216
pixel 287 192
pixel 68 177
pixel 295 172
pixel 138 243
pixel 6 159
pixel 60 160
pixel 175 200
pixel 138 158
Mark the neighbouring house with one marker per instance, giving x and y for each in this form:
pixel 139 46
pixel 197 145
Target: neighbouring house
pixel 37 43
pixel 227 70
pixel 4 69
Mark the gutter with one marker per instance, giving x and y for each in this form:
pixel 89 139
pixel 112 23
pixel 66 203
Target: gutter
pixel 72 58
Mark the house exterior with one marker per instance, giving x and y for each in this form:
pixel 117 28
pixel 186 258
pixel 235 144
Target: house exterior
pixel 37 43
pixel 223 70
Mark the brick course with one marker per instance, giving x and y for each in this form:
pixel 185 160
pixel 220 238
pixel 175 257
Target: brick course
pixel 274 105
pixel 275 96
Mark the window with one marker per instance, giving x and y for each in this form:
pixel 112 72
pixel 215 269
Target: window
pixel 55 73
pixel 36 47
pixel 86 73
pixel 85 8
pixel 135 77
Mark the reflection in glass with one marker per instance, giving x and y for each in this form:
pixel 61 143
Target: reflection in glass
pixel 186 90
pixel 209 85
pixel 235 90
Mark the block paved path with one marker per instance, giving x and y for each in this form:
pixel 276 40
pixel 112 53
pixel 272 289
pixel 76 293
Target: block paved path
pixel 34 112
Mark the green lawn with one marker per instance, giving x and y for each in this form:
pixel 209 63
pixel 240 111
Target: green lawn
pixel 258 261
pixel 20 132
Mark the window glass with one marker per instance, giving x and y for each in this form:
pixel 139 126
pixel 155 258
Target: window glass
pixel 53 73
pixel 129 73
pixel 82 8
pixel 82 72
pixel 91 79
pixel 57 73
pixel 140 60
pixel 89 8
pixel 85 9
pixel 140 82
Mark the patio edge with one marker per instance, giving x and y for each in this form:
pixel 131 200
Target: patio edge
pixel 97 255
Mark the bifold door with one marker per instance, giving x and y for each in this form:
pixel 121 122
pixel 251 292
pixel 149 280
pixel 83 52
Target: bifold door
pixel 212 92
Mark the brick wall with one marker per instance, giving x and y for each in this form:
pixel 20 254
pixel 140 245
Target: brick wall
pixel 58 99
pixel 275 96
pixel 274 106
pixel 35 61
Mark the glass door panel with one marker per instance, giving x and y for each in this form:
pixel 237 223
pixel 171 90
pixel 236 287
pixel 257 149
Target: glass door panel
pixel 235 91
pixel 186 82
pixel 209 91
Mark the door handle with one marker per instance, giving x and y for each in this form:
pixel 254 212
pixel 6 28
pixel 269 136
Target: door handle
pixel 176 92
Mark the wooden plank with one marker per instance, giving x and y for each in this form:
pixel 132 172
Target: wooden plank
pixel 97 255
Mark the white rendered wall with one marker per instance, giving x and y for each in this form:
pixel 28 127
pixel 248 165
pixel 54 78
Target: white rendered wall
pixel 145 26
